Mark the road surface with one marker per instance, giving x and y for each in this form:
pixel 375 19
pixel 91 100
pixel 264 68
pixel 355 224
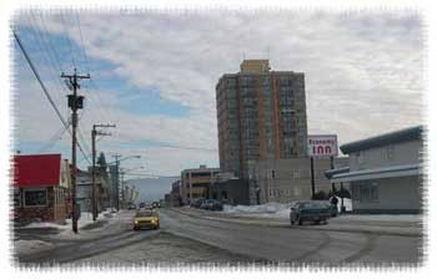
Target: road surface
pixel 193 239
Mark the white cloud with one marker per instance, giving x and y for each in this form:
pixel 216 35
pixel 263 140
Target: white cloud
pixel 363 70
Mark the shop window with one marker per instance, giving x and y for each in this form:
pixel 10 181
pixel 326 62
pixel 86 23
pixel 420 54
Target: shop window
pixel 35 197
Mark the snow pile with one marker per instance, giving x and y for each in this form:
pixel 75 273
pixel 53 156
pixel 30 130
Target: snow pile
pixel 30 246
pixel 271 209
pixel 86 218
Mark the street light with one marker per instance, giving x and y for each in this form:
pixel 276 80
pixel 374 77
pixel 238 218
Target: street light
pixel 123 171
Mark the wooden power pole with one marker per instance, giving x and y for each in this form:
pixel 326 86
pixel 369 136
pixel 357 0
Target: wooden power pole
pixel 94 133
pixel 75 102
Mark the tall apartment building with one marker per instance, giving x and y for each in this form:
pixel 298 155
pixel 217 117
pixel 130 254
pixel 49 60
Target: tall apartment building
pixel 261 114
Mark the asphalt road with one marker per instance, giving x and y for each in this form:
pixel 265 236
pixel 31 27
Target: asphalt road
pixel 184 239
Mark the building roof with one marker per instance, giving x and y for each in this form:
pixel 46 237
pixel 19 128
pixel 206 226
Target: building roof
pixel 331 172
pixel 37 170
pixel 409 134
pixel 378 173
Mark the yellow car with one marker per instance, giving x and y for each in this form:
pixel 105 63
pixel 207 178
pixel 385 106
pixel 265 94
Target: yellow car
pixel 146 219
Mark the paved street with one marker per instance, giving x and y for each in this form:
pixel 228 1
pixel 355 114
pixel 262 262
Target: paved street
pixel 193 238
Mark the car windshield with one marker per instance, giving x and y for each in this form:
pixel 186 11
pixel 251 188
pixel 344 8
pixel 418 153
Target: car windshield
pixel 145 214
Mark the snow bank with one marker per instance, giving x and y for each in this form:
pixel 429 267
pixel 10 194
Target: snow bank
pixel 272 209
pixel 86 218
pixel 30 246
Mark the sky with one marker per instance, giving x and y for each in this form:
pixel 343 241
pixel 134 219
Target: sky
pixel 153 74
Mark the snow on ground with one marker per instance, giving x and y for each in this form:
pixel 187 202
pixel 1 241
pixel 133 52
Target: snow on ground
pixel 272 209
pixel 30 246
pixel 381 218
pixel 282 210
pixel 86 218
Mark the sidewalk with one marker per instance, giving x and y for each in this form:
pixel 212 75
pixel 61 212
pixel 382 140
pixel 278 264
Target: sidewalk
pixel 42 236
pixel 401 225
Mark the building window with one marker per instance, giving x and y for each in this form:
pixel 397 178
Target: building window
pixel 273 174
pixel 35 197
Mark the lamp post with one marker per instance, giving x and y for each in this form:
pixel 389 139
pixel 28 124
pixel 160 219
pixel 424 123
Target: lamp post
pixel 123 172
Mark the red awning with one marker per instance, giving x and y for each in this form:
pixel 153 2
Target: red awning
pixel 37 170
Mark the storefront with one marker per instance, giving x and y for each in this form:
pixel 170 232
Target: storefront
pixel 40 188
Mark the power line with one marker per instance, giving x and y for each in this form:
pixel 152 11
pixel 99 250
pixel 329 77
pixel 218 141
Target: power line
pixel 46 93
pixel 68 39
pixel 82 41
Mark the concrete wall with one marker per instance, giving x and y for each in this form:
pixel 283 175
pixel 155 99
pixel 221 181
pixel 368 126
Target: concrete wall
pixel 234 191
pixel 394 195
pixel 285 180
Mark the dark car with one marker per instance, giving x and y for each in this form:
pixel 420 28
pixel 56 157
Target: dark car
pixel 131 206
pixel 198 202
pixel 313 211
pixel 142 204
pixel 333 210
pixel 212 204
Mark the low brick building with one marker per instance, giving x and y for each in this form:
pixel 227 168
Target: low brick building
pixel 41 188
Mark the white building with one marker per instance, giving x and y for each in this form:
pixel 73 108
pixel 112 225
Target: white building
pixel 385 172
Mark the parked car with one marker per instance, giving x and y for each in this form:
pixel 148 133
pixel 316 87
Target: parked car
pixel 333 210
pixel 314 211
pixel 198 202
pixel 212 204
pixel 142 204
pixel 146 219
pixel 131 206
pixel 156 204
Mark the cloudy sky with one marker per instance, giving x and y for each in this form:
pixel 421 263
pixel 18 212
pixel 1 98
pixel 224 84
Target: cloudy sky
pixel 154 75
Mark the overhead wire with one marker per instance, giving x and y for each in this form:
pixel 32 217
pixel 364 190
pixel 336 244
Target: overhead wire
pixel 44 88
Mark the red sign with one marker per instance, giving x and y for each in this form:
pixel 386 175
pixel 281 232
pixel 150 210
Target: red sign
pixel 322 145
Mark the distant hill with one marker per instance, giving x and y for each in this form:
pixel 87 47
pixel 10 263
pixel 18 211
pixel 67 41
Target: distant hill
pixel 151 189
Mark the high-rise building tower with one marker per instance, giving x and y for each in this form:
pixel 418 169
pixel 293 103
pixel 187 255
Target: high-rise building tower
pixel 261 114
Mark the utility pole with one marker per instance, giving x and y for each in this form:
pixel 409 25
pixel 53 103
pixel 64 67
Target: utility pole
pixel 313 185
pixel 75 102
pixel 117 193
pixel 122 190
pixel 95 132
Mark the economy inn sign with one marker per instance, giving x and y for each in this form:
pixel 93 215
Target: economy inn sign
pixel 322 145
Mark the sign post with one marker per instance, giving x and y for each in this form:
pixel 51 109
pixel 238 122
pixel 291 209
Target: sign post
pixel 321 146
